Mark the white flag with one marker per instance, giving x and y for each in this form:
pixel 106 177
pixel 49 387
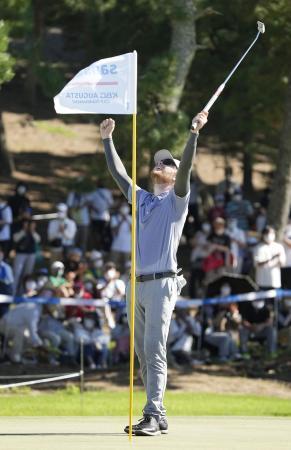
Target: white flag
pixel 108 86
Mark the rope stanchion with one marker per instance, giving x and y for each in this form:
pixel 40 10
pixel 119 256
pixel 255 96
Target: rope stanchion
pixel 45 380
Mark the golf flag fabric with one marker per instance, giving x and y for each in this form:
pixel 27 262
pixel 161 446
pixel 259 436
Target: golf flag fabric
pixel 108 86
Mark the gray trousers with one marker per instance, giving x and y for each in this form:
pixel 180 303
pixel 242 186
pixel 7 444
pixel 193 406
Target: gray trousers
pixel 23 265
pixel 268 334
pixel 155 301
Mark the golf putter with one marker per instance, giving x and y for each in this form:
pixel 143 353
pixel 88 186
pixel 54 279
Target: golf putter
pixel 261 30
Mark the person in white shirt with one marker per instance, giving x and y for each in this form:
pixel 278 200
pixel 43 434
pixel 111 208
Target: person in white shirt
pixel 99 202
pixel 61 233
pixel 20 327
pixel 111 286
pixel 121 230
pixel 79 212
pixel 6 281
pixel 237 244
pixel 269 257
pixel 5 226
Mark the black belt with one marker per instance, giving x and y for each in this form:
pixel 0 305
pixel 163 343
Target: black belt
pixel 155 276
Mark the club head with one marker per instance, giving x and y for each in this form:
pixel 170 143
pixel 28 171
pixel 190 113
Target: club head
pixel 261 27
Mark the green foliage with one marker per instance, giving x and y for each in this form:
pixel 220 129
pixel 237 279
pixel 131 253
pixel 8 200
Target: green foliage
pixel 6 61
pixel 51 79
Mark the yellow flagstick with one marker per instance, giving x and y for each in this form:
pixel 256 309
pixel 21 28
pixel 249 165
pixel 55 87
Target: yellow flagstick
pixel 132 280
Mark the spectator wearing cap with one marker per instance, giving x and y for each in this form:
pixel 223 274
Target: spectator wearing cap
pixel 5 226
pixel 20 328
pixel 26 241
pixel 99 202
pixel 240 209
pixel 61 233
pixel 20 206
pixel 121 231
pixel 6 281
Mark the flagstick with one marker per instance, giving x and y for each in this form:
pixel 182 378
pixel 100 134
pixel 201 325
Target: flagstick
pixel 132 279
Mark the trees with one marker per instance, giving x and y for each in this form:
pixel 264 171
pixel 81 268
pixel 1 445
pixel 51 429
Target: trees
pixel 6 74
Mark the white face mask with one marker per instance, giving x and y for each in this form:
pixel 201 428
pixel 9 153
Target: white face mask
pixel 21 190
pixel 89 323
pixel 41 281
pixel 269 238
pixel 30 286
pixel 124 209
pixel 62 215
pixel 110 274
pixel 259 304
pixel 219 232
pixel 206 228
pixel 98 263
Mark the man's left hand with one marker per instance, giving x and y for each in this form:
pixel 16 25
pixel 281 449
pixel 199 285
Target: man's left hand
pixel 200 120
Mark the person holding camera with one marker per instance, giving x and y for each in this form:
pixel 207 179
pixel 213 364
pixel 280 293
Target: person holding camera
pixel 26 241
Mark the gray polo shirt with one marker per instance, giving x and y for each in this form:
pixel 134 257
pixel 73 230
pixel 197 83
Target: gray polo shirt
pixel 160 222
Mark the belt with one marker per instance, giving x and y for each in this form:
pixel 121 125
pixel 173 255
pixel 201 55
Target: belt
pixel 155 276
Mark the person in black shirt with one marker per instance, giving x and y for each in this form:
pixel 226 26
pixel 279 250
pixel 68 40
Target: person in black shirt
pixel 257 322
pixel 20 205
pixel 25 241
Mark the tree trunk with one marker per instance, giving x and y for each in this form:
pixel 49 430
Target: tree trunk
pixel 183 49
pixel 35 43
pixel 279 207
pixel 6 161
pixel 247 172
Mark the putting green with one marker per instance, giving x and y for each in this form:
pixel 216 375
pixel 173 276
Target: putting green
pixel 105 433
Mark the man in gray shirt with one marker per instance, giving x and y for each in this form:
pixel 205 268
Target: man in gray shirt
pixel 160 219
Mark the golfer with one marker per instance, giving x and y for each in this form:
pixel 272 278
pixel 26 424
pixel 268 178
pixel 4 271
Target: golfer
pixel 160 219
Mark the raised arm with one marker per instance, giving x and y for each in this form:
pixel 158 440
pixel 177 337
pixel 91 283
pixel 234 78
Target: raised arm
pixel 114 163
pixel 182 183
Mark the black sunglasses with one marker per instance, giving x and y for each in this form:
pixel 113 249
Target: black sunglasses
pixel 168 162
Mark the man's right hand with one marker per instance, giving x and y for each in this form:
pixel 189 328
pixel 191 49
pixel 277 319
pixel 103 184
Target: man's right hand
pixel 107 128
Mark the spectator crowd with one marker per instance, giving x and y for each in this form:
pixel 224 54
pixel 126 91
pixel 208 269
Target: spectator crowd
pixel 84 254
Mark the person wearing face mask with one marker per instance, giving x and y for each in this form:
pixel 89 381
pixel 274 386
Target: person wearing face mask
pixel 61 233
pixel 240 209
pixel 79 212
pixel 269 257
pixel 26 241
pixel 121 231
pixel 238 244
pixel 200 248
pixel 6 282
pixel 20 206
pixel 257 323
pixel 96 341
pixel 219 251
pixel 5 226
pixel 96 264
pixel 111 286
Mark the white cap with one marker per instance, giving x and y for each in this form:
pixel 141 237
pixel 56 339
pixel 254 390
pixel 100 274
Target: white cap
pixel 165 154
pixel 57 265
pixel 62 207
pixel 95 254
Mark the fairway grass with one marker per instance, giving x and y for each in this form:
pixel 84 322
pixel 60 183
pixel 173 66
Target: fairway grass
pixel 98 403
